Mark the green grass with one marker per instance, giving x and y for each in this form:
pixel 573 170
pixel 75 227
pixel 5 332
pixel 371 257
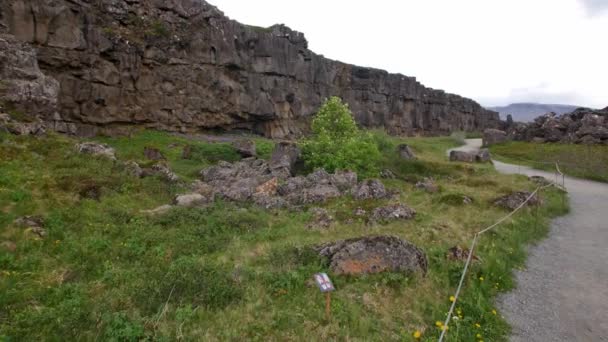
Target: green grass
pixel 106 271
pixel 583 161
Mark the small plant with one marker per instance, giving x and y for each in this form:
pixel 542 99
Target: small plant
pixel 337 143
pixel 159 29
pixel 459 137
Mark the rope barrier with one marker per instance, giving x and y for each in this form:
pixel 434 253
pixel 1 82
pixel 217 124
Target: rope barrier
pixel 474 243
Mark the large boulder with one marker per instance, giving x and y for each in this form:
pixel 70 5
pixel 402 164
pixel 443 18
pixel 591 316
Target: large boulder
pixel 462 156
pixel 374 254
pixel 493 136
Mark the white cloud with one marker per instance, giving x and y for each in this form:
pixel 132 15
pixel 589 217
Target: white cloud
pixel 488 50
pixel 595 6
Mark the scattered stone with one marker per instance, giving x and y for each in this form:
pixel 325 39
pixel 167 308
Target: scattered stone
pixel 97 149
pixel 461 156
pixel 8 246
pixel 466 200
pixel 374 254
pixel 245 147
pixel 460 254
pixel 190 200
pixel 405 152
pixel 515 199
pixel 370 189
pixel 387 174
pixel 493 136
pixel 321 219
pixel 163 209
pixel 392 212
pixel 428 185
pixel 152 153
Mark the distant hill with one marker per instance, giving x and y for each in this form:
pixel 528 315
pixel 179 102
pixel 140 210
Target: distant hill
pixel 526 112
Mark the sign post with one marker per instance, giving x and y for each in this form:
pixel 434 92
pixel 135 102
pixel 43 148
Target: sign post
pixel 325 286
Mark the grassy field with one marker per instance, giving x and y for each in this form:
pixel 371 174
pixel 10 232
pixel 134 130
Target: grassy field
pixel 225 272
pixel 583 161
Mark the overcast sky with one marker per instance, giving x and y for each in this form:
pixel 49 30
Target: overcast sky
pixel 494 51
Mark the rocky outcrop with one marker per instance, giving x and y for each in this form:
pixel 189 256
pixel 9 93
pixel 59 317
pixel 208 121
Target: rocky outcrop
pixel 374 254
pixel 582 126
pixel 481 156
pixel 182 65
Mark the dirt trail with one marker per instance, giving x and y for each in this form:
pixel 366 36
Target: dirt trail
pixel 562 295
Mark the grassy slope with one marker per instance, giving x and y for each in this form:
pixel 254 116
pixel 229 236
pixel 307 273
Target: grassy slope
pixel 584 161
pixel 107 272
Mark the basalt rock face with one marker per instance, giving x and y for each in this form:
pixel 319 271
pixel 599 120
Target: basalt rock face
pixel 181 65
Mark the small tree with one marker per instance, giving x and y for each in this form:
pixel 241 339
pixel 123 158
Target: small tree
pixel 337 143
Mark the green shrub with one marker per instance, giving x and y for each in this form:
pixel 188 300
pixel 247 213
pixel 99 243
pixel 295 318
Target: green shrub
pixel 459 137
pixel 118 327
pixel 337 143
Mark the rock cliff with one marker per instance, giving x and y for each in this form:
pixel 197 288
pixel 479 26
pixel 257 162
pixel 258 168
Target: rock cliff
pixel 182 65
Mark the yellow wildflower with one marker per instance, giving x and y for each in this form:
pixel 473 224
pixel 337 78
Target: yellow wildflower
pixel 417 334
pixel 439 324
pixel 452 298
pixel 478 336
pixel 493 312
pixel 481 278
pixel 477 325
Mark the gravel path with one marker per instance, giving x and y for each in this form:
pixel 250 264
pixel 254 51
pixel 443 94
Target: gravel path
pixel 562 295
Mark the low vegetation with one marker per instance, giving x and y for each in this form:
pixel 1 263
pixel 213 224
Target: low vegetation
pixel 107 271
pixel 583 161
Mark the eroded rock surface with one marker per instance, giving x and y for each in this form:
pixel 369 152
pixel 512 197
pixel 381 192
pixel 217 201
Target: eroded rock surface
pixel 374 254
pixel 182 65
pixel 515 199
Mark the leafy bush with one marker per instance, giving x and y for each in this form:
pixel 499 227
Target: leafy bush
pixel 337 143
pixel 459 137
